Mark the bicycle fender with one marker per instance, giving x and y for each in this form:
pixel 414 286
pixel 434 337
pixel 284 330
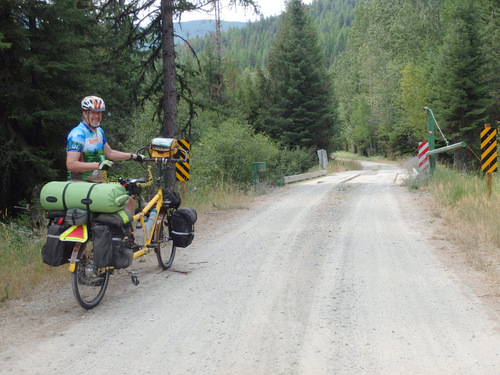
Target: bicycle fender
pixel 74 256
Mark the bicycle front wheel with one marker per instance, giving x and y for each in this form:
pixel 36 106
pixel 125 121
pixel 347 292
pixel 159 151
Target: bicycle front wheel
pixel 165 249
pixel 88 282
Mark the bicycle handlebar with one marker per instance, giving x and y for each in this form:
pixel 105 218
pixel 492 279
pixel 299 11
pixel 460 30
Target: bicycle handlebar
pixel 165 160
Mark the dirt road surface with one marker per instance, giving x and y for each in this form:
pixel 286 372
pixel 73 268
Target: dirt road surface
pixel 344 274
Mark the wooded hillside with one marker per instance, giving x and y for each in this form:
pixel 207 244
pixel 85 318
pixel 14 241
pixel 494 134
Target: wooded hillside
pixel 338 74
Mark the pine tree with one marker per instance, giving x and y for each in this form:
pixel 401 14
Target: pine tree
pixel 41 73
pixel 300 96
pixel 57 52
pixel 463 98
pixel 491 16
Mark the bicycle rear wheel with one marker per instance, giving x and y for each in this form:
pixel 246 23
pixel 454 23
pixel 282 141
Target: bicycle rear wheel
pixel 165 249
pixel 88 282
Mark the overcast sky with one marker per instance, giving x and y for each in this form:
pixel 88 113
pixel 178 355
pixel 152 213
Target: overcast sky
pixel 268 8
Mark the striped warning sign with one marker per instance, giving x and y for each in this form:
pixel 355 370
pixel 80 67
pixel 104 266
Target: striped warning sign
pixel 423 158
pixel 182 169
pixel 489 150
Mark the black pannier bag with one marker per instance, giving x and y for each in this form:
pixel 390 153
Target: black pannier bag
pixel 110 246
pixel 183 221
pixel 56 252
pixel 103 245
pixel 122 254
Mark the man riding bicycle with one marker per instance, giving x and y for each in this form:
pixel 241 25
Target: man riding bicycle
pixel 88 152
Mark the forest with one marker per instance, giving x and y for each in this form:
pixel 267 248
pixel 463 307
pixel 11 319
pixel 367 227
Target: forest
pixel 349 75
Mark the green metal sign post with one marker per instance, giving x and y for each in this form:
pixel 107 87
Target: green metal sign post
pixel 431 138
pixel 257 169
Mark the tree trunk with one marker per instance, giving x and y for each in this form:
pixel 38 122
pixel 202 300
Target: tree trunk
pixel 170 128
pixel 219 51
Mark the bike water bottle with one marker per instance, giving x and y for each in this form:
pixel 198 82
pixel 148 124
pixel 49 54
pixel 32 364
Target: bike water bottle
pixel 139 234
pixel 150 223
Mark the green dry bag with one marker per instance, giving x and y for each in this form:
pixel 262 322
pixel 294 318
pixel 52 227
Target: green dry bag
pixel 94 197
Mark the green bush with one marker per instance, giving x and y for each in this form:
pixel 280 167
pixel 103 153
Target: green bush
pixel 225 153
pixel 295 161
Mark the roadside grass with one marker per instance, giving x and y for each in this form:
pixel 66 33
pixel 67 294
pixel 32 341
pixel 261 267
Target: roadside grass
pixel 341 164
pixel 219 196
pixel 344 155
pixel 21 266
pixel 472 218
pixel 414 180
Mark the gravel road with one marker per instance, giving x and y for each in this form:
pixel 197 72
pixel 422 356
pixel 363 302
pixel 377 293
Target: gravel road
pixel 344 274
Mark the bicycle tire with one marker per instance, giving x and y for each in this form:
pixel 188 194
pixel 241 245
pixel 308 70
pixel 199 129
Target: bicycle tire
pixel 165 249
pixel 88 283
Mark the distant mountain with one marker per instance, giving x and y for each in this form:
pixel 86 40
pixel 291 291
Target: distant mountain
pixel 192 29
pixel 248 43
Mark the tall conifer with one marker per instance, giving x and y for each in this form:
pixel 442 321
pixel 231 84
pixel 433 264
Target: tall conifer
pixel 301 100
pixel 462 96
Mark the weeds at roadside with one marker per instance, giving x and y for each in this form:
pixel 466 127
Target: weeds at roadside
pixel 341 165
pixel 415 179
pixel 20 262
pixel 472 217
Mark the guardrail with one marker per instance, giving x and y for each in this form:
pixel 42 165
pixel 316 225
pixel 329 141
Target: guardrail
pixel 303 176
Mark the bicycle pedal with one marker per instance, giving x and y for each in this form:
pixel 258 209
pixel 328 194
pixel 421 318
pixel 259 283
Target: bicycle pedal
pixel 134 275
pixel 135 280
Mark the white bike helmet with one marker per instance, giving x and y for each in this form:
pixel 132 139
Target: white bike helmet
pixel 93 103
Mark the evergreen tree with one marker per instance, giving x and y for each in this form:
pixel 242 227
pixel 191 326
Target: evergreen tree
pixel 41 75
pixel 58 52
pixel 462 95
pixel 491 16
pixel 300 97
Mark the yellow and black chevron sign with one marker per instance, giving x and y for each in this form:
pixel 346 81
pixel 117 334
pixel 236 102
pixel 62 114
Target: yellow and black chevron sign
pixel 489 150
pixel 182 169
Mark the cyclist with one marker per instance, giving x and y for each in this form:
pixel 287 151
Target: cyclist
pixel 87 150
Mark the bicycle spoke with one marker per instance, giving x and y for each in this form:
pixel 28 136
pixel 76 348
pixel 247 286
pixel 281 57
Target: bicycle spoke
pixel 88 282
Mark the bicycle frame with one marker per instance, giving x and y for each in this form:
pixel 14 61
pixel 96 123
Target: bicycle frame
pixel 156 202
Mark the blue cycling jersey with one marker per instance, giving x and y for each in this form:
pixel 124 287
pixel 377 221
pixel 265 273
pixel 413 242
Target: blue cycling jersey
pixel 90 143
